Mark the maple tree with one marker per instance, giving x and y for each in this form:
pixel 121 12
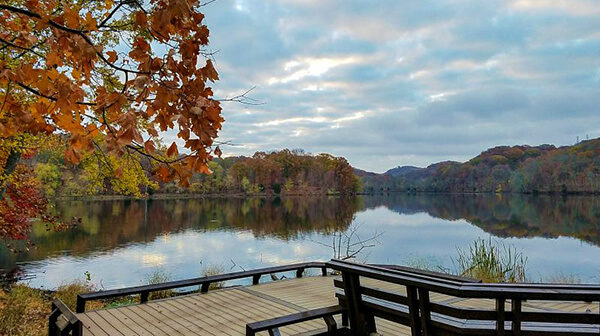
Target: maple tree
pixel 119 71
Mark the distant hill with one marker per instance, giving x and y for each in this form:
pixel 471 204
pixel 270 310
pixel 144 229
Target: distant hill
pixel 524 169
pixel 401 170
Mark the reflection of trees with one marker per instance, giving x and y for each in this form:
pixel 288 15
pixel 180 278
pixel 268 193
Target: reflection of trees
pixel 507 215
pixel 109 224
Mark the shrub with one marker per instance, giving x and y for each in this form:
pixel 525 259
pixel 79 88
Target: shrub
pixel 68 294
pixel 492 262
pixel 214 270
pixel 156 277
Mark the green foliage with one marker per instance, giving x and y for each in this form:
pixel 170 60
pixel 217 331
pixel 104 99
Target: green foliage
pixel 245 184
pixel 124 174
pixel 492 262
pixel 48 174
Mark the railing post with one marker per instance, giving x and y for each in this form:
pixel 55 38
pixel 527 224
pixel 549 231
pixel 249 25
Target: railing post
pixel 413 310
pixel 78 329
pixel 299 272
pixel 249 331
pixel 80 305
pixel 256 279
pixel 324 271
pixel 144 296
pixel 516 321
pixel 356 315
pixel 274 332
pixel 425 311
pixel 331 325
pixel 55 313
pixel 204 287
pixel 501 316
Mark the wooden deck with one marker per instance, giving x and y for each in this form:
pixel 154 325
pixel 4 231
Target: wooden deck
pixel 226 311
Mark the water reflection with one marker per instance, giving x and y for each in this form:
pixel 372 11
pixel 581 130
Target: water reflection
pixel 507 215
pixel 120 242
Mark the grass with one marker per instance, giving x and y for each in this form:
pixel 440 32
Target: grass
pixel 214 270
pixel 427 263
pixel 562 278
pixel 24 310
pixel 490 261
pixel 156 277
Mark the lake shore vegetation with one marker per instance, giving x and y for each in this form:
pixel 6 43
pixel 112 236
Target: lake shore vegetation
pixel 504 169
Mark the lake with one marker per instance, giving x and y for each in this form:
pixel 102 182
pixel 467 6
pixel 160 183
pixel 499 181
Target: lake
pixel 121 243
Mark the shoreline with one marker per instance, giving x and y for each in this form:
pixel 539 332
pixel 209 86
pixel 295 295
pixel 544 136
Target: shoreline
pixel 175 196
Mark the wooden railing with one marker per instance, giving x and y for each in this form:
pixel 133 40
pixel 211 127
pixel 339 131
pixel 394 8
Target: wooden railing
pixel 424 317
pixel 203 282
pixel 62 321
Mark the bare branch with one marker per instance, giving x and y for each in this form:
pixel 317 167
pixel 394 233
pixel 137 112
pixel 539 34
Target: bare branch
pixel 243 98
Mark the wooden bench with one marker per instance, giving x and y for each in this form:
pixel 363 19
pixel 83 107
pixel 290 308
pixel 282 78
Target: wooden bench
pixel 424 317
pixel 273 325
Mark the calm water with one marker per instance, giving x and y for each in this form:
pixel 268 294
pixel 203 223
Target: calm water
pixel 120 243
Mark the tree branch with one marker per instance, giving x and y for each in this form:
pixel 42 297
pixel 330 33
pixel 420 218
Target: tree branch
pixel 19 47
pixel 140 151
pixel 36 92
pixel 81 33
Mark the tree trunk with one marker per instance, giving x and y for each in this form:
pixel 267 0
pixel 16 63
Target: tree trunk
pixel 9 168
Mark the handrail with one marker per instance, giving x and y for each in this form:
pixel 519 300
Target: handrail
pixel 440 275
pixel 473 290
pixel 204 282
pixel 416 310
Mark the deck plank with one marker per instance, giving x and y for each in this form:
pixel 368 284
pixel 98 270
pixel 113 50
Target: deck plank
pixel 227 311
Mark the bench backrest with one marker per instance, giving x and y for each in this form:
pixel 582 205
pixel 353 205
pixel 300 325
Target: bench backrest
pixel 403 296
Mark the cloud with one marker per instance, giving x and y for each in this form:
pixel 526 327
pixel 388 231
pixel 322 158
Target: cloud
pixel 387 83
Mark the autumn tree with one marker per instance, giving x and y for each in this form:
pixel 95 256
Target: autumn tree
pixel 111 77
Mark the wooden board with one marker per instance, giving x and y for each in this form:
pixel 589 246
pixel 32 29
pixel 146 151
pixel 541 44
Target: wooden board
pixel 226 311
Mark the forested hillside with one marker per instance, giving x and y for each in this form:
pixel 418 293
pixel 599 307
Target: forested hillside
pixel 281 172
pixel 523 169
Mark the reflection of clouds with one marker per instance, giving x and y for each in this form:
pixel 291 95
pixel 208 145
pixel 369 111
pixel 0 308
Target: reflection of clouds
pixel 244 235
pixel 384 217
pixel 153 259
pixel 301 250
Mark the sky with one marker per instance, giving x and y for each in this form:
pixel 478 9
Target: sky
pixel 387 83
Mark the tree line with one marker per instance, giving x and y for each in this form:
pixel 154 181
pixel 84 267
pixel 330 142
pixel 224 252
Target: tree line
pixel 520 169
pixel 279 172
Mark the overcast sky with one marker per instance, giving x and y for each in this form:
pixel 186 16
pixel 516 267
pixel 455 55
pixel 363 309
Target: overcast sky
pixel 388 83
